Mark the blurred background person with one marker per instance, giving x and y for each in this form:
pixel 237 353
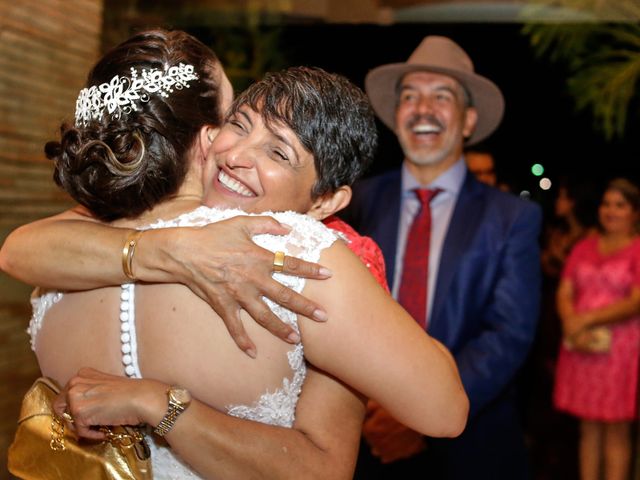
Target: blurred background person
pixel 481 163
pixel 572 214
pixel 599 307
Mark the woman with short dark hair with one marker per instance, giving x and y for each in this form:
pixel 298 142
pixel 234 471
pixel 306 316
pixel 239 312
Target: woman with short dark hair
pixel 283 146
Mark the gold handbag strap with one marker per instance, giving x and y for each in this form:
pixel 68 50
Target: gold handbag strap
pixel 57 434
pixel 125 439
pixel 39 401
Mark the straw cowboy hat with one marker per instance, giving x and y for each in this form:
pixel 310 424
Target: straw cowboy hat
pixel 439 55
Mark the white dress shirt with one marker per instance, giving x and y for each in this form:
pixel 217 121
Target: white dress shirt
pixel 450 183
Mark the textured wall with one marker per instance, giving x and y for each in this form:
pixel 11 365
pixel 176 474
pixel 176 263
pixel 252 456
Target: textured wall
pixel 46 49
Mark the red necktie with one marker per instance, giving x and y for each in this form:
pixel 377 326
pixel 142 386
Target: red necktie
pixel 413 285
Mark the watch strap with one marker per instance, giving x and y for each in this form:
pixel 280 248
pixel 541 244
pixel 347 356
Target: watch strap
pixel 169 419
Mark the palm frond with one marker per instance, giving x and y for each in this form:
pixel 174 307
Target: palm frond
pixel 602 59
pixel 607 90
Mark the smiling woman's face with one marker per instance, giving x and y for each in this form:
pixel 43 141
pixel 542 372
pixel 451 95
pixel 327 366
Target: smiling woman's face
pixel 257 169
pixel 616 214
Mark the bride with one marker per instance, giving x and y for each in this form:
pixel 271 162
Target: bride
pixel 143 161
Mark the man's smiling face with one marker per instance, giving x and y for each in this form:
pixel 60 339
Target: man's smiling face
pixel 432 118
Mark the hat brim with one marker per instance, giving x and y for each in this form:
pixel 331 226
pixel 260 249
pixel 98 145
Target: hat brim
pixel 381 86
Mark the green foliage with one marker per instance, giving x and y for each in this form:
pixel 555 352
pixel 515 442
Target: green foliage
pixel 247 38
pixel 602 58
pixel 248 52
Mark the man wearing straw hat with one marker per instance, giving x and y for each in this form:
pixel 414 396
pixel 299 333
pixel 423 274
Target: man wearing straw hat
pixel 462 257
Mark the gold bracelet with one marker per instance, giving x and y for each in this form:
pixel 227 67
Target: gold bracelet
pixel 127 253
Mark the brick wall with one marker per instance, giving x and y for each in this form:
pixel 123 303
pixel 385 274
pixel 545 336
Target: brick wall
pixel 46 49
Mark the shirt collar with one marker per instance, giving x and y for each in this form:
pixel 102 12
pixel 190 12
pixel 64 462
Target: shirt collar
pixel 450 181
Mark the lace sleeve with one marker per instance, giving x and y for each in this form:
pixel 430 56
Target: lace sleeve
pixel 307 238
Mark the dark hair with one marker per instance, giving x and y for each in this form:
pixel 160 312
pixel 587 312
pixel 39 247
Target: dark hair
pixel 584 194
pixel 331 117
pixel 628 190
pixel 121 167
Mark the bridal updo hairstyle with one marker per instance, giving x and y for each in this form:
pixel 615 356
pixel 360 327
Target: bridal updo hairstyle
pixel 331 117
pixel 121 167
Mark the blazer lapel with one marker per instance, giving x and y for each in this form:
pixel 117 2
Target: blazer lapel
pixel 386 228
pixel 462 227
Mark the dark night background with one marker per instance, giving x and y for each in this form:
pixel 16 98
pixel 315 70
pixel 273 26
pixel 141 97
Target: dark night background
pixel 540 124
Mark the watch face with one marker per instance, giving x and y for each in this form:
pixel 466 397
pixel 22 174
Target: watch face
pixel 181 395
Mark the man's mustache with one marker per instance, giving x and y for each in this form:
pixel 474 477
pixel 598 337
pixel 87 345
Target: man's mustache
pixel 428 119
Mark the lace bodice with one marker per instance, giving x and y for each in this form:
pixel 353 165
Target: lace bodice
pixel 306 240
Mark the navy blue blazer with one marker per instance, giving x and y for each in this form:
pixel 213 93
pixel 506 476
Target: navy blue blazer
pixel 486 302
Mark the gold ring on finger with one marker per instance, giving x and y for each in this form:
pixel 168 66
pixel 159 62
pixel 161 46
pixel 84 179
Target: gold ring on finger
pixel 278 262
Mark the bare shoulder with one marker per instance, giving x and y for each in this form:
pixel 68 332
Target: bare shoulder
pixel 353 299
pixel 348 272
pixel 76 213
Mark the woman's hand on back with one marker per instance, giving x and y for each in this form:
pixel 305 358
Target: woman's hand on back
pixel 222 265
pixel 218 262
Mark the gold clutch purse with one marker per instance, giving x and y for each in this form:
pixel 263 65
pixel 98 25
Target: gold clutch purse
pixel 43 449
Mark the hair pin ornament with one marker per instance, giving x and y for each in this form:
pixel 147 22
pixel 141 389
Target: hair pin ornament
pixel 121 93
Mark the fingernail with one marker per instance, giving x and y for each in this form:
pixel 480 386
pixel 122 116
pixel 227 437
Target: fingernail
pixel 325 272
pixel 320 315
pixel 251 352
pixel 293 337
pixel 287 226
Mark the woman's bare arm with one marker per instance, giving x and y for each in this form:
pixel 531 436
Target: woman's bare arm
pixel 623 309
pixel 564 305
pixel 218 262
pixel 323 443
pixel 573 322
pixel 69 251
pixel 372 344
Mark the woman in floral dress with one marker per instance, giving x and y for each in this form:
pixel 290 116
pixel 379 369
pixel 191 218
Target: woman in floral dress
pixel 599 306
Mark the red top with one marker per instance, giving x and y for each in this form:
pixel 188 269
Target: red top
pixel 364 247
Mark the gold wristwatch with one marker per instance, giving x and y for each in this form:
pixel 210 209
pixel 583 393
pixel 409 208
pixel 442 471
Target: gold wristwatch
pixel 179 400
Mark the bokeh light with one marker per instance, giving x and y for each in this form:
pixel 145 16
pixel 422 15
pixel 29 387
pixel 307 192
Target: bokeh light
pixel 545 183
pixel 537 169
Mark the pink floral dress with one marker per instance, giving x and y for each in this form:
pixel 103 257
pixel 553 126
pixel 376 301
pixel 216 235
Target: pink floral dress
pixel 601 386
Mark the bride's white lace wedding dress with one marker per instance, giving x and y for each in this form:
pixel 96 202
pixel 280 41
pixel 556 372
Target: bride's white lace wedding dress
pixel 306 240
